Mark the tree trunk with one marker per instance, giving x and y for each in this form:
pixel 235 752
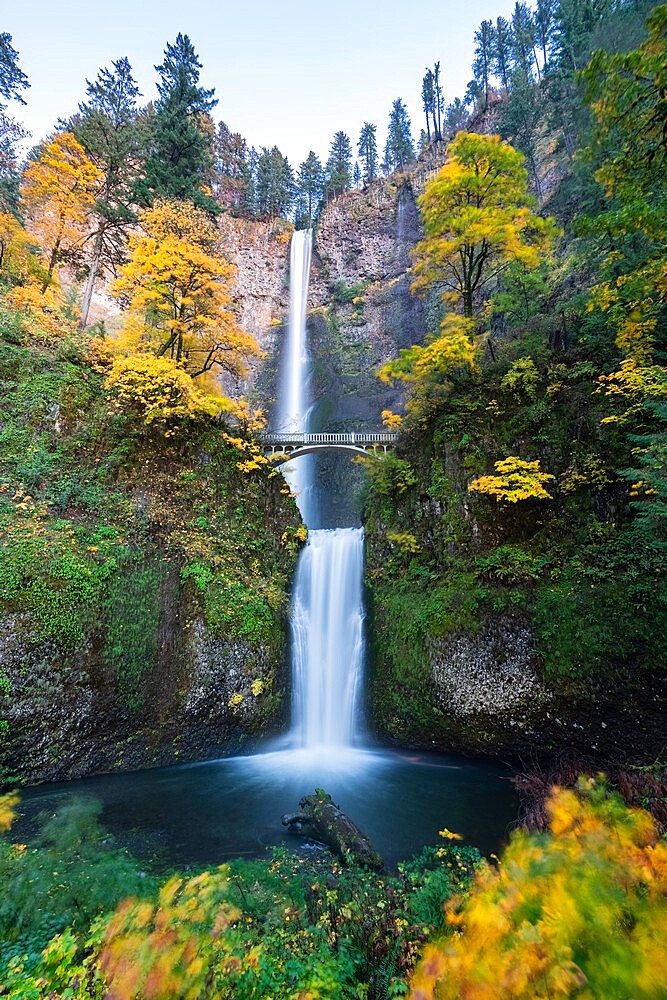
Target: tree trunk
pixel 90 284
pixel 321 819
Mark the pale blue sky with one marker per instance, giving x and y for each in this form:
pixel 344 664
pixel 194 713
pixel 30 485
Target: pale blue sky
pixel 288 74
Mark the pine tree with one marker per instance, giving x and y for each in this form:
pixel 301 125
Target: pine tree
pixel 439 101
pixel 182 134
pixel 574 23
pixel 520 118
pixel 368 152
pixel 482 62
pixel 502 52
pixel 339 165
pixel 275 183
pixel 456 116
pixel 251 206
pixel 399 149
pixel 356 176
pixel 12 81
pixel 230 169
pixel 311 189
pixel 428 102
pixel 107 127
pixel 544 22
pixel 524 39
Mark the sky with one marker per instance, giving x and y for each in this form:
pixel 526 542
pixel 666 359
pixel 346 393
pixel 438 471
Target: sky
pixel 287 73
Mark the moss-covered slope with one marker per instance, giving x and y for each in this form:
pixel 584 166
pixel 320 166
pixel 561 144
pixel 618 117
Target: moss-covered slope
pixel 143 579
pixel 535 625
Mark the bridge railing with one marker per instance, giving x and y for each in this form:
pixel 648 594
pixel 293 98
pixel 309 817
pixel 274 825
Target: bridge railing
pixel 354 437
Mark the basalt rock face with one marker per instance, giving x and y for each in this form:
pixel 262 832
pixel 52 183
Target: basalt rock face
pixel 364 313
pixel 259 251
pixel 67 717
pixel 360 309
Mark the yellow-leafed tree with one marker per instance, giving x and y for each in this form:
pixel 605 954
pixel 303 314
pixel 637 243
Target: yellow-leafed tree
pixel 477 220
pixel 58 191
pixel 580 912
pixel 515 480
pixel 177 290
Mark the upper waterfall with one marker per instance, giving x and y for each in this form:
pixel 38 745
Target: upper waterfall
pixel 293 402
pixel 293 398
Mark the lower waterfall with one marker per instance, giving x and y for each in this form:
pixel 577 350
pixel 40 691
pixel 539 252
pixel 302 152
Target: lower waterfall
pixel 327 639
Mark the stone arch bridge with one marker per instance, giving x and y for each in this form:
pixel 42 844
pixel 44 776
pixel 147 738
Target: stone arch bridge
pixel 283 447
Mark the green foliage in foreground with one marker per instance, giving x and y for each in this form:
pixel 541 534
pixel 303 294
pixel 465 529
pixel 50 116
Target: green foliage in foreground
pixel 578 912
pixel 293 925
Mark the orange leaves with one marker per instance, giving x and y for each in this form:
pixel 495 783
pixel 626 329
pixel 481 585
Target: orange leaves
pixel 158 392
pixel 178 293
pixel 168 950
pixel 8 804
pixel 577 913
pixel 515 480
pixel 58 191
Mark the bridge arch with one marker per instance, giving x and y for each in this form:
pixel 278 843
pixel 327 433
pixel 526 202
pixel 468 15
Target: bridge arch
pixel 284 447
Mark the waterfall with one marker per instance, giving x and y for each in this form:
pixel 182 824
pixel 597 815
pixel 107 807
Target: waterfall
pixel 327 634
pixel 293 407
pixel 293 403
pixel 327 606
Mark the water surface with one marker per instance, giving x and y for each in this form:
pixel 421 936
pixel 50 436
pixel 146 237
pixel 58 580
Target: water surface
pixel 204 814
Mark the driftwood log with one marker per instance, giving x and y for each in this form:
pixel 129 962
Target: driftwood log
pixel 321 819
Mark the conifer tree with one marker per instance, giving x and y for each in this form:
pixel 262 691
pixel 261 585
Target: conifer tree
pixel 502 52
pixel 339 165
pixel 399 149
pixel 483 60
pixel 252 162
pixel 275 183
pixel 524 39
pixel 520 118
pixel 368 152
pixel 439 101
pixel 456 116
pixel 181 143
pixel 311 188
pixel 107 126
pixel 544 21
pixel 12 81
pixel 230 169
pixel 356 175
pixel 428 102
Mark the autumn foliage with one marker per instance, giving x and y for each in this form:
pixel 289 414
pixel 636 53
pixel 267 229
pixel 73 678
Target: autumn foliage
pixel 579 912
pixel 58 193
pixel 515 480
pixel 158 393
pixel 177 290
pixel 171 948
pixel 478 220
